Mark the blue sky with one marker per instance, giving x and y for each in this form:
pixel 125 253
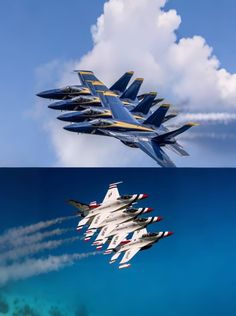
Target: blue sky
pixel 191 272
pixel 33 35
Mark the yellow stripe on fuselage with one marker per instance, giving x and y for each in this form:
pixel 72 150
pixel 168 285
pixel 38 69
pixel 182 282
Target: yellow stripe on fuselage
pixel 132 126
pixel 109 93
pixel 85 90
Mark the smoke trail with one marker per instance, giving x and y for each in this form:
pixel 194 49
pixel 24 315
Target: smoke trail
pixel 34 238
pixel 33 267
pixel 223 117
pixel 15 233
pixel 219 136
pixel 31 249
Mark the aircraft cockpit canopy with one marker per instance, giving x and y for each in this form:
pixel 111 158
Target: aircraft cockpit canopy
pixel 101 123
pixel 141 220
pixel 125 197
pixel 70 89
pixel 150 235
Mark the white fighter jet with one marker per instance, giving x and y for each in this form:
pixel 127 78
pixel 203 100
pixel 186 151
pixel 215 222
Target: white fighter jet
pixel 115 219
pixel 121 231
pixel 112 202
pixel 141 240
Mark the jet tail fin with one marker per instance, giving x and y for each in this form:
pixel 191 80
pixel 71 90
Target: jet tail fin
pixel 145 104
pixel 133 90
pixel 169 117
pixel 85 75
pixel 157 117
pixel 121 84
pixel 167 136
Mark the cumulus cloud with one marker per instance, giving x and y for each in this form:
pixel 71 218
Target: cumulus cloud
pixel 141 36
pixel 33 267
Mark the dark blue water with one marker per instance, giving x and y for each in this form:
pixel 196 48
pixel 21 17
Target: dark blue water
pixel 189 273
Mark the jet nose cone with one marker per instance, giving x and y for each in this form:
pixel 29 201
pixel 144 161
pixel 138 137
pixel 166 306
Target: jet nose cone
pixel 144 196
pixel 51 106
pixel 169 234
pixel 70 128
pixel 148 210
pixel 65 117
pixel 157 219
pixel 59 105
pixel 42 94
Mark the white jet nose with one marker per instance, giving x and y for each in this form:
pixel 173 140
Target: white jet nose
pixel 143 196
pixel 166 234
pixel 148 210
pixel 155 219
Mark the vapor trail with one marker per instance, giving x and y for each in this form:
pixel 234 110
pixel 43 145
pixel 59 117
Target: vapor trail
pixel 212 117
pixel 31 249
pixel 14 233
pixel 33 267
pixel 34 238
pixel 217 136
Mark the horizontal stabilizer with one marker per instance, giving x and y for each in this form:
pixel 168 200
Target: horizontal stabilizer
pixel 152 149
pixel 133 90
pixel 121 84
pixel 178 149
pixel 145 105
pixel 157 117
pixel 167 136
pixel 157 101
pixel 81 206
pixel 169 117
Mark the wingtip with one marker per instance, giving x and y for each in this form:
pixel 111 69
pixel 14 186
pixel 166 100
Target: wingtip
pixel 83 72
pixel 192 124
pixel 166 105
pixel 109 93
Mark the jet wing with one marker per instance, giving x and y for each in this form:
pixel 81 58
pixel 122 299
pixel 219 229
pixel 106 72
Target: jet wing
pixel 155 152
pixel 98 219
pixel 112 193
pixel 116 240
pixel 119 112
pixel 129 254
pixel 139 233
pixel 178 149
pixel 105 231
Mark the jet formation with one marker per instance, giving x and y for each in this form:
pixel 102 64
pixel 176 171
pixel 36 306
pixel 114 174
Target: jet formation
pixel 138 121
pixel 115 225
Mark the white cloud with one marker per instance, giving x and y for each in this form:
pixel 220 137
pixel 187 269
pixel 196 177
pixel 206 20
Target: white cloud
pixel 139 35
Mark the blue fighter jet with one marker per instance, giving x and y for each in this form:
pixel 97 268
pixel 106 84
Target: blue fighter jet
pixel 128 96
pixel 150 136
pixel 129 99
pixel 81 91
